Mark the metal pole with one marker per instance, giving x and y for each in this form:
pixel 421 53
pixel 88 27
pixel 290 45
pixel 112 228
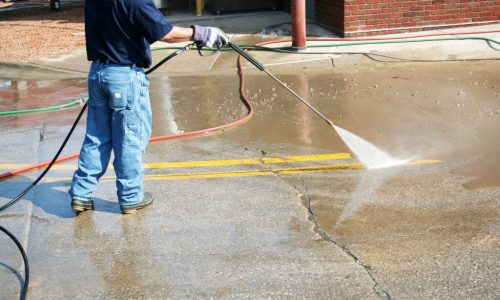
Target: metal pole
pixel 298 24
pixel 199 7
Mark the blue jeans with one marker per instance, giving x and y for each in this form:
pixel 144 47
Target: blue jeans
pixel 118 119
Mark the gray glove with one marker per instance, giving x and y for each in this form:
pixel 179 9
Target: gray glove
pixel 211 37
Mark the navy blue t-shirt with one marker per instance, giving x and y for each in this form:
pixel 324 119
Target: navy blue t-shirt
pixel 122 30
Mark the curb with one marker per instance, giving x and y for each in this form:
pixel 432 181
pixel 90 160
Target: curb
pixel 31 71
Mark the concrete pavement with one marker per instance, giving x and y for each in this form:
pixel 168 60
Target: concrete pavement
pixel 276 208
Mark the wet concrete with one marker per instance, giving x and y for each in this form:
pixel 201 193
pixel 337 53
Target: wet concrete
pixel 186 104
pixel 422 232
pixel 30 94
pixel 241 241
pixel 414 231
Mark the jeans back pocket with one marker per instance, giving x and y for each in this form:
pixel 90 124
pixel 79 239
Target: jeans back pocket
pixel 119 93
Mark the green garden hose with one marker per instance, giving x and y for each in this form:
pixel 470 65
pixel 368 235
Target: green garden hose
pixel 77 102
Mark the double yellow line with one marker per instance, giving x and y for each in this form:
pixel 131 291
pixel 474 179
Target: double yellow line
pixel 267 171
pixel 270 171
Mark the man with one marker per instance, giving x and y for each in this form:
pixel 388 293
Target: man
pixel 118 34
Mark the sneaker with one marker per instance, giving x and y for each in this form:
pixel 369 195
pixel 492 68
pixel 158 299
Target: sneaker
pixel 146 201
pixel 82 205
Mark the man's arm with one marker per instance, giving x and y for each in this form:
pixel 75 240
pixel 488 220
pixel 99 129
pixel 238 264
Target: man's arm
pixel 178 34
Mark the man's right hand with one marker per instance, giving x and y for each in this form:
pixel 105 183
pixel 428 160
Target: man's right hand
pixel 210 37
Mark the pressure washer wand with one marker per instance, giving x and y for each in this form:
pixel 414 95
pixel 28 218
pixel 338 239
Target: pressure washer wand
pixel 261 67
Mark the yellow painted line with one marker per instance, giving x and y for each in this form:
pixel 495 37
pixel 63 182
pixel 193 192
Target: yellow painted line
pixel 249 161
pixel 251 173
pixel 262 172
pixel 213 163
pixel 424 162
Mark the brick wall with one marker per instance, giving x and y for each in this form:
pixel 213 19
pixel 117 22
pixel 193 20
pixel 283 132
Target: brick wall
pixel 368 17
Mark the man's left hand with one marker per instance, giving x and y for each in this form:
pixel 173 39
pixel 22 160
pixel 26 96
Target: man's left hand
pixel 211 37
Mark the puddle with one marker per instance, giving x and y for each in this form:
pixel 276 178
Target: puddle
pixel 183 104
pixel 484 171
pixel 30 94
pixel 124 258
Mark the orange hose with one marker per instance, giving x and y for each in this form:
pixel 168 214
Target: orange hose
pixel 35 166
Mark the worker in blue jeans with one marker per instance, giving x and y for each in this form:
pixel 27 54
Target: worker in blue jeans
pixel 118 37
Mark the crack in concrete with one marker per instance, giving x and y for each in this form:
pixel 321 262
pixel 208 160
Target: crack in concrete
pixel 306 201
pixel 42 133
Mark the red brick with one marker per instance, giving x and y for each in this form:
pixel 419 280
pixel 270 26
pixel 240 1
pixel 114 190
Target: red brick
pixel 409 24
pixel 460 5
pixel 473 14
pixel 410 14
pixel 396 15
pixel 372 11
pixel 388 10
pixel 445 17
pixel 445 6
pixel 350 18
pixel 432 7
pixel 487 14
pixel 357 12
pixel 366 27
pixel 423 13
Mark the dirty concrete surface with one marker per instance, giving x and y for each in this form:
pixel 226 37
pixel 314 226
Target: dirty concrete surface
pixel 231 221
